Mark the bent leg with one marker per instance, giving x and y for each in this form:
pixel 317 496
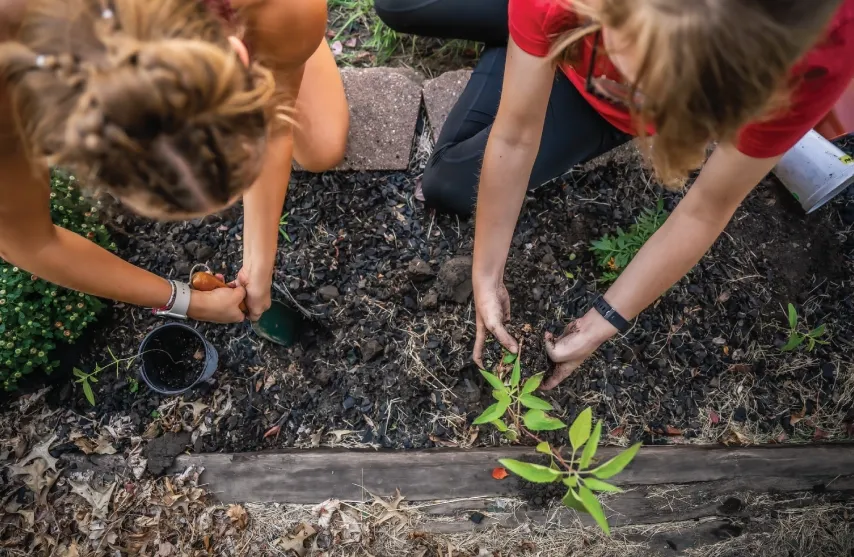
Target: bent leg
pixel 322 114
pixel 470 20
pixel 573 133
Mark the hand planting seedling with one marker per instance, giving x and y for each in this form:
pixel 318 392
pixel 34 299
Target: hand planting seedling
pixel 614 253
pixel 519 412
pixel 797 338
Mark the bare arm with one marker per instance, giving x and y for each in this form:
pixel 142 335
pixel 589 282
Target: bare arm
pixel 286 54
pixel 679 244
pixel 510 154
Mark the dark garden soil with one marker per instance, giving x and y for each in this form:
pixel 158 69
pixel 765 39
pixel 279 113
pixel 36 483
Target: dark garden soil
pixel 386 362
pixel 174 359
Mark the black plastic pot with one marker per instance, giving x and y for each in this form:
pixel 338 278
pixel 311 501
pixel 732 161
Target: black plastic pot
pixel 211 359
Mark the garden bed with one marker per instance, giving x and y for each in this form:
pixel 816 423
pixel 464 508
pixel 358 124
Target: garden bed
pixel 386 363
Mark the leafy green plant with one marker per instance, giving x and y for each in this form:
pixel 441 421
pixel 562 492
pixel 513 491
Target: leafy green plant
pixel 85 380
pixel 518 412
pixel 283 224
pixel 797 338
pixel 614 253
pixel 36 316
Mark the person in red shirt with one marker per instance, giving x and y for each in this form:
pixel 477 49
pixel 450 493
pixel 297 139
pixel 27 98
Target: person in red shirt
pixel 161 105
pixel 752 76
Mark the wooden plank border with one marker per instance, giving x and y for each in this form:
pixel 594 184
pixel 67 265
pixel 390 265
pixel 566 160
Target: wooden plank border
pixel 312 476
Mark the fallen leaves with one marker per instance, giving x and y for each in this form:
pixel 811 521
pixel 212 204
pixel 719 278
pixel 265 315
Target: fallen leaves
pixel 714 417
pixel 99 500
pixel 499 473
pixel 238 516
pixel 39 468
pixel 101 445
pixel 391 511
pixel 296 542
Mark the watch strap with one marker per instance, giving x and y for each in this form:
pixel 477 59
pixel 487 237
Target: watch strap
pixel 180 302
pixel 611 315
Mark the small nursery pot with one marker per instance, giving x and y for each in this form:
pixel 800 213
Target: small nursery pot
pixel 815 171
pixel 175 358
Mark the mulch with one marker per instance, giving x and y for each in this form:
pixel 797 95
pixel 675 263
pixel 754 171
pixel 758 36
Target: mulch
pixel 385 361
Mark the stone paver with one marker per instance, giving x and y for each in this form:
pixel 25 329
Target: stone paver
pixel 440 95
pixel 384 106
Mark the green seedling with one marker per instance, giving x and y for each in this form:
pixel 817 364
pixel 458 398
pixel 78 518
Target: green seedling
pixel 283 223
pixel 614 253
pixel 797 338
pixel 518 412
pixel 85 380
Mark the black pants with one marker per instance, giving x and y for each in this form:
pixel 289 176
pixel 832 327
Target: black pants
pixel 573 133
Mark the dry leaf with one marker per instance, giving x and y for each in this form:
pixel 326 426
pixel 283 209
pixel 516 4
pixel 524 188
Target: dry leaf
pixel 273 431
pixel 724 297
pixel 337 48
pixel 296 543
pixel 820 434
pixel 325 511
pixel 340 434
pixel 618 431
pixel 69 550
pixel 99 500
pixel 672 431
pixel 499 473
pixel 238 516
pixel 152 431
pixel 85 445
pixel 351 42
pixel 714 417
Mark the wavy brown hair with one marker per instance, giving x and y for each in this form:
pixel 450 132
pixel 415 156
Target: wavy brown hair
pixel 707 67
pixel 146 99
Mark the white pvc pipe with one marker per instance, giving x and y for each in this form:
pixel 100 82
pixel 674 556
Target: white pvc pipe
pixel 815 171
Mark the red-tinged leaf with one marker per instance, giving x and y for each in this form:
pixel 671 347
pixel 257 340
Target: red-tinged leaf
pixel 782 438
pixel 618 431
pixel 351 43
pixel 500 473
pixel 820 434
pixel 714 417
pixel 672 431
pixel 795 418
pixel 273 431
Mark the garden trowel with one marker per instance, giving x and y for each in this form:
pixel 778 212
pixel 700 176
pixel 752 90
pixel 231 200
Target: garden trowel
pixel 279 324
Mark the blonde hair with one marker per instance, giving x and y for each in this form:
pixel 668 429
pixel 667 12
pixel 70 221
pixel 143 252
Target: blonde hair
pixel 707 67
pixel 146 99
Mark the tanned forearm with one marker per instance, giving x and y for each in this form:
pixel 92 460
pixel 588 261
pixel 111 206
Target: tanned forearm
pixel 503 183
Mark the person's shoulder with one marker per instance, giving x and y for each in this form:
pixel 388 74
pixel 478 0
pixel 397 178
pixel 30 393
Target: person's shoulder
pixel 288 30
pixel 11 15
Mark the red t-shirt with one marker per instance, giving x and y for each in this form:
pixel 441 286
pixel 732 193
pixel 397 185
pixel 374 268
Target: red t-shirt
pixel 823 73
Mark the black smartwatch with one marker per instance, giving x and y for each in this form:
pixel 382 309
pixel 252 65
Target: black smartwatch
pixel 611 315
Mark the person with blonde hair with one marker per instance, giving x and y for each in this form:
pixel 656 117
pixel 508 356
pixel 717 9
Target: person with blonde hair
pixel 564 81
pixel 176 108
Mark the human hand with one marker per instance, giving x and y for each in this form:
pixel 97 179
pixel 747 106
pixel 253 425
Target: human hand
pixel 579 340
pixel 217 306
pixel 492 305
pixel 258 286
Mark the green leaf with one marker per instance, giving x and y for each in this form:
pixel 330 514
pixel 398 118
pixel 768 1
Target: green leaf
pixel 818 331
pixel 503 397
pixel 516 376
pixel 499 425
pixel 493 380
pixel 591 503
pixel 509 358
pixel 537 420
pixel 93 379
pixel 616 464
pixel 793 317
pixel 532 383
pixel 87 391
pixel 534 402
pixel 134 387
pixel 579 431
pixel 532 472
pixel 598 485
pixel 544 448
pixel 79 373
pixel 511 435
pixel 795 340
pixel 492 412
pixel 570 481
pixel 590 447
pixel 572 501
